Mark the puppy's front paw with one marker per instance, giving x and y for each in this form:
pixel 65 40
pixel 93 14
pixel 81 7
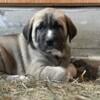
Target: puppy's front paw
pixel 53 73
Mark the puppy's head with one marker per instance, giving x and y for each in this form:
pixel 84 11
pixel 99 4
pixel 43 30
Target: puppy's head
pixel 48 30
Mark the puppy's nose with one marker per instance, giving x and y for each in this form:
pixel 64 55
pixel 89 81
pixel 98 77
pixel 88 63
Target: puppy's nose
pixel 50 38
pixel 50 42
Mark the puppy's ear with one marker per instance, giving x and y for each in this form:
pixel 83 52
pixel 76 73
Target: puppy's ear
pixel 71 29
pixel 27 31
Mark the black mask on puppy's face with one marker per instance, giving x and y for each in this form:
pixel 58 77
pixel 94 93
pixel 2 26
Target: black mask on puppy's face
pixel 49 35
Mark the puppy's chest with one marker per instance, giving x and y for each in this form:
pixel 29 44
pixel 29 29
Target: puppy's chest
pixel 55 61
pixel 47 60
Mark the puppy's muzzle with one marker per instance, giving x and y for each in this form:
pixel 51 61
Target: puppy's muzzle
pixel 50 42
pixel 50 39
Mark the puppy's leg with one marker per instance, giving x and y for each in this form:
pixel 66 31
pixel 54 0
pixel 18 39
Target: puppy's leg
pixel 7 62
pixel 40 70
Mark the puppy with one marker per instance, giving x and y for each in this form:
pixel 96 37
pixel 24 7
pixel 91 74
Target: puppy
pixel 42 49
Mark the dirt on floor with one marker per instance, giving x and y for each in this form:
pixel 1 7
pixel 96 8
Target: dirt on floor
pixel 31 89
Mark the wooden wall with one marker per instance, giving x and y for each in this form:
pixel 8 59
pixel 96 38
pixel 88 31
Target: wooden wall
pixel 86 20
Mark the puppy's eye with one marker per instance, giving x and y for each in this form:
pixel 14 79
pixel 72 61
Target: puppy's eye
pixel 41 26
pixel 60 26
pixel 56 26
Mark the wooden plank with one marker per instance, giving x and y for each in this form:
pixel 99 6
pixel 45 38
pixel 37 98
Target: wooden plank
pixel 85 52
pixel 89 40
pixel 50 2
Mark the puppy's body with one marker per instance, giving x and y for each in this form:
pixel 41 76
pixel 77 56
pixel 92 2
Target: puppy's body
pixel 10 55
pixel 17 57
pixel 41 50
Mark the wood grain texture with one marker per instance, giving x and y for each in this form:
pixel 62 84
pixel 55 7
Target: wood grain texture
pixel 51 2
